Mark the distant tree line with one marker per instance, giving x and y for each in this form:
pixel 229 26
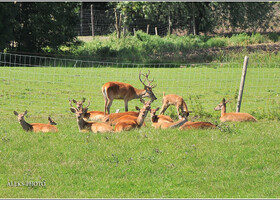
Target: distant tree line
pixel 36 27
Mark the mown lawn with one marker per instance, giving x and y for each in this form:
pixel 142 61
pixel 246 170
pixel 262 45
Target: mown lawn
pixel 240 160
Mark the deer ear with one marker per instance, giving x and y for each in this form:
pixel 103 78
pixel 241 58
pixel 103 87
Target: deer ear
pixel 157 108
pixel 25 112
pixel 85 110
pixel 73 110
pixel 142 101
pixel 84 99
pixel 74 101
pixel 15 112
pixel 137 108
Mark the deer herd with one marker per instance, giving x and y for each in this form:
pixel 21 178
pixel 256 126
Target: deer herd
pixel 101 122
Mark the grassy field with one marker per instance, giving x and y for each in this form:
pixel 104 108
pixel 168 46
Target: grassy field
pixel 240 160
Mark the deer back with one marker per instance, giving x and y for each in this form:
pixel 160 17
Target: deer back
pixel 197 125
pixel 38 127
pixel 237 117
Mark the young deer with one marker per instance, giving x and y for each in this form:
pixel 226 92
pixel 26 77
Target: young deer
pixel 233 117
pixel 35 127
pixel 128 122
pixel 164 122
pixel 125 91
pixel 177 101
pixel 90 115
pixel 96 127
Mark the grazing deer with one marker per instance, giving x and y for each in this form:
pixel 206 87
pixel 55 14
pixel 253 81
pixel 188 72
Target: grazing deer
pixel 96 127
pixel 90 115
pixel 165 123
pixel 233 117
pixel 128 122
pixel 125 91
pixel 35 127
pixel 197 125
pixel 173 99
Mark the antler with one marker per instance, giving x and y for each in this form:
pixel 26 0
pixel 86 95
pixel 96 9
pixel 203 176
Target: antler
pixel 88 103
pixel 70 103
pixel 147 78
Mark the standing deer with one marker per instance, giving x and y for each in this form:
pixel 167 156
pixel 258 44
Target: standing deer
pixel 90 115
pixel 35 127
pixel 173 99
pixel 128 122
pixel 233 117
pixel 96 127
pixel 125 91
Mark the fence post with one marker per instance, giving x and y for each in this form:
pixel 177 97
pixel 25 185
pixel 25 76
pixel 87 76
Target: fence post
pixel 242 82
pixel 81 22
pixel 148 28
pixel 156 30
pixel 92 20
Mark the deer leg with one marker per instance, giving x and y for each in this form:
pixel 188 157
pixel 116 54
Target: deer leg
pixel 106 104
pixel 126 105
pixel 163 108
pixel 178 112
pixel 109 105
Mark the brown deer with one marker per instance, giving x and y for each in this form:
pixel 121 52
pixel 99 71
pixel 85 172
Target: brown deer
pixel 177 101
pixel 35 127
pixel 96 127
pixel 196 125
pixel 90 115
pixel 159 118
pixel 164 122
pixel 128 122
pixel 112 119
pixel 125 91
pixel 233 117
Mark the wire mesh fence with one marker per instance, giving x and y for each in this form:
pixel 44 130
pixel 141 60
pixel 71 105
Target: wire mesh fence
pixel 44 84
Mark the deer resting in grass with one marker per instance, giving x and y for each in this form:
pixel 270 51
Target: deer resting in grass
pixel 164 122
pixel 233 117
pixel 35 127
pixel 96 127
pixel 90 115
pixel 177 101
pixel 196 125
pixel 113 118
pixel 125 91
pixel 128 122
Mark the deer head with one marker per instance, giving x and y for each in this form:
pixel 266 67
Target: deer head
pixel 79 104
pixel 148 88
pixel 51 121
pixel 80 113
pixel 20 116
pixel 222 104
pixel 153 114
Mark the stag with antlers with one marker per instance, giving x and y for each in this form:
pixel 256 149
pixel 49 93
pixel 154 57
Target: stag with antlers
pixel 125 91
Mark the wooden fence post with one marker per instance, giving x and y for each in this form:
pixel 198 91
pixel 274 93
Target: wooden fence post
pixel 156 31
pixel 92 20
pixel 242 82
pixel 148 26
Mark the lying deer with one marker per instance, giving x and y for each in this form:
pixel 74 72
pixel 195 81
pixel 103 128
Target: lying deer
pixel 164 122
pixel 96 127
pixel 90 115
pixel 113 118
pixel 125 91
pixel 128 122
pixel 233 117
pixel 197 125
pixel 35 127
pixel 177 101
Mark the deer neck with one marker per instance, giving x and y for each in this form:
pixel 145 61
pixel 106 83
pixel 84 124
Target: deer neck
pixel 26 126
pixel 223 110
pixel 139 93
pixel 82 124
pixel 141 119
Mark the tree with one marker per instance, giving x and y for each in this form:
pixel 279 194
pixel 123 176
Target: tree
pixel 42 25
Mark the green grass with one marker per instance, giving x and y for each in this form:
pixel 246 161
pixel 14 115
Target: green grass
pixel 240 160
